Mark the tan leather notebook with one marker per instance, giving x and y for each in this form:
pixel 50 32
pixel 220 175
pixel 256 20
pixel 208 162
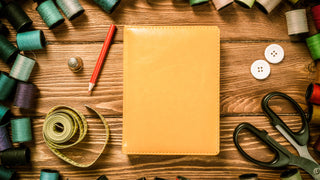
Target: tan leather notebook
pixel 171 90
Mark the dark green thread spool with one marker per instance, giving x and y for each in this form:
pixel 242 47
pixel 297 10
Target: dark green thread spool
pixel 6 174
pixel 108 5
pixel 31 40
pixel 7 86
pixel 291 174
pixel 4 115
pixel 8 52
pixel 197 2
pixel 21 130
pixel 50 14
pixel 313 43
pixel 48 174
pixel 17 17
pixel 22 68
pixel 15 156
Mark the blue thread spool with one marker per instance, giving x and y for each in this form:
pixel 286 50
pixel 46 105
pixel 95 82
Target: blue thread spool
pixel 17 17
pixel 21 130
pixel 8 51
pixel 48 174
pixel 71 8
pixel 7 86
pixel 50 14
pixel 22 68
pixel 31 40
pixel 108 5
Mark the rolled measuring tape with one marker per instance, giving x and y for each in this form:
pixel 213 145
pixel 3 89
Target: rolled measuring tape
pixel 245 3
pixel 61 125
pixel 49 13
pixel 21 130
pixel 221 4
pixel 7 86
pixel 48 174
pixel 109 5
pixel 313 94
pixel 71 8
pixel 15 156
pixel 22 68
pixel 8 52
pixel 250 176
pixel 31 40
pixel 267 6
pixel 313 44
pixel 291 174
pixel 26 95
pixel 6 174
pixel 297 24
pixel 17 17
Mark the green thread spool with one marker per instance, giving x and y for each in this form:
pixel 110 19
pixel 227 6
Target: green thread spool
pixel 108 5
pixel 245 3
pixel 291 174
pixel 17 17
pixel 50 14
pixel 313 43
pixel 31 40
pixel 4 115
pixel 8 51
pixel 22 68
pixel 197 2
pixel 21 130
pixel 48 174
pixel 7 86
pixel 6 174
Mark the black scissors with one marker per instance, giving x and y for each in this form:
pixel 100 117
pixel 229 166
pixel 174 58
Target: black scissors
pixel 298 139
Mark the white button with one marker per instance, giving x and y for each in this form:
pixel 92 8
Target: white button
pixel 260 69
pixel 274 53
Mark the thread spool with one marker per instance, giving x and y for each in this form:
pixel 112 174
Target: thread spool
pixel 48 174
pixel 7 86
pixel 248 177
pixel 314 114
pixel 313 94
pixel 221 4
pixel 75 64
pixel 22 68
pixel 3 29
pixel 313 44
pixel 103 177
pixel 4 139
pixel 21 130
pixel 6 174
pixel 31 40
pixel 8 51
pixel 245 3
pixel 267 6
pixel 291 174
pixel 110 5
pixel 297 24
pixel 17 17
pixel 50 14
pixel 26 95
pixel 71 8
pixel 4 115
pixel 15 156
pixel 316 16
pixel 294 2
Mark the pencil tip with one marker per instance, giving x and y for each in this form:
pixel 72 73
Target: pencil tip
pixel 89 92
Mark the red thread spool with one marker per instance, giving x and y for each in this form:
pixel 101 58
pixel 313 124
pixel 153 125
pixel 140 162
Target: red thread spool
pixel 316 16
pixel 313 93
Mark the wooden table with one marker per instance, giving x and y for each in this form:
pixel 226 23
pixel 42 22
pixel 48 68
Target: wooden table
pixel 245 33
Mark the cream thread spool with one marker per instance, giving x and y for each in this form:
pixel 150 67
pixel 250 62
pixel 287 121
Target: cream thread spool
pixel 267 6
pixel 75 64
pixel 220 4
pixel 297 24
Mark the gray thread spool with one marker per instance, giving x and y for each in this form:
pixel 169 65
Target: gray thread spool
pixel 71 8
pixel 297 24
pixel 267 6
pixel 220 4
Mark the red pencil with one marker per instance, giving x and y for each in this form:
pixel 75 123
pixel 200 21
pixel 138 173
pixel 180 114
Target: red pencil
pixel 102 56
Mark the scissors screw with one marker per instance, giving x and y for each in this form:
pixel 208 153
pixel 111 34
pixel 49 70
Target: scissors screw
pixel 316 171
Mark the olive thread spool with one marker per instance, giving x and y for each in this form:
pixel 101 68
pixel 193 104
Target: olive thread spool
pixel 17 17
pixel 6 174
pixel 313 44
pixel 15 156
pixel 8 51
pixel 291 174
pixel 267 6
pixel 221 4
pixel 21 130
pixel 245 3
pixel 31 40
pixel 7 86
pixel 4 139
pixel 251 176
pixel 49 174
pixel 316 16
pixel 110 5
pixel 22 68
pixel 297 24
pixel 71 8
pixel 26 95
pixel 4 115
pixel 49 13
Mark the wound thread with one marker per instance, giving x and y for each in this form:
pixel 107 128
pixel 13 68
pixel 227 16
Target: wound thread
pixel 22 68
pixel 245 3
pixel 21 130
pixel 17 17
pixel 31 40
pixel 8 52
pixel 316 16
pixel 71 8
pixel 110 5
pixel 26 95
pixel 221 4
pixel 4 140
pixel 7 86
pixel 297 24
pixel 267 6
pixel 313 44
pixel 48 174
pixel 15 156
pixel 50 14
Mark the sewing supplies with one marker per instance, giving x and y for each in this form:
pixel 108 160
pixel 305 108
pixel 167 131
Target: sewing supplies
pixel 75 64
pixel 157 178
pixel 260 69
pixel 7 85
pixel 8 51
pixel 6 174
pixel 295 2
pixel 21 130
pixel 109 5
pixel 103 177
pixel 291 174
pixel 102 57
pixel 221 4
pixel 197 2
pixel 49 174
pixel 313 44
pixel 245 3
pixel 22 68
pixel 316 16
pixel 17 17
pixel 3 29
pixel 31 40
pixel 298 139
pixel 267 6
pixel 15 156
pixel 71 8
pixel 50 14
pixel 4 115
pixel 181 178
pixel 26 95
pixel 4 139
pixel 274 53
pixel 313 94
pixel 250 176
pixel 297 24
pixel 314 114
pixel 61 125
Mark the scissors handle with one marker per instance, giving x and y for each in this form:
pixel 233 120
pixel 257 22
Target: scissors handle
pixel 282 157
pixel 302 136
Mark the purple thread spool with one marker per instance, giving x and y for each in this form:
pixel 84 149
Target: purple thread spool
pixel 4 139
pixel 25 95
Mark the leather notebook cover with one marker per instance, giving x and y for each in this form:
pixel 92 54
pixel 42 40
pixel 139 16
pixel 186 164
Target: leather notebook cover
pixel 171 90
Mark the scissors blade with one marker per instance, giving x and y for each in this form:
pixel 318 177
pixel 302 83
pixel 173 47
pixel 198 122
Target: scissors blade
pixel 302 150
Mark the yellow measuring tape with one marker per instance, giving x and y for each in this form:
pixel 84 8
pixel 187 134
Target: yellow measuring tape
pixel 60 126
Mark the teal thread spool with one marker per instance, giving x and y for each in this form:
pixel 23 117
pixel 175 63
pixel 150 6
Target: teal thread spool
pixel 22 68
pixel 313 43
pixel 108 5
pixel 21 130
pixel 31 40
pixel 197 2
pixel 8 51
pixel 71 8
pixel 48 174
pixel 7 86
pixel 4 115
pixel 50 14
pixel 245 3
pixel 6 174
